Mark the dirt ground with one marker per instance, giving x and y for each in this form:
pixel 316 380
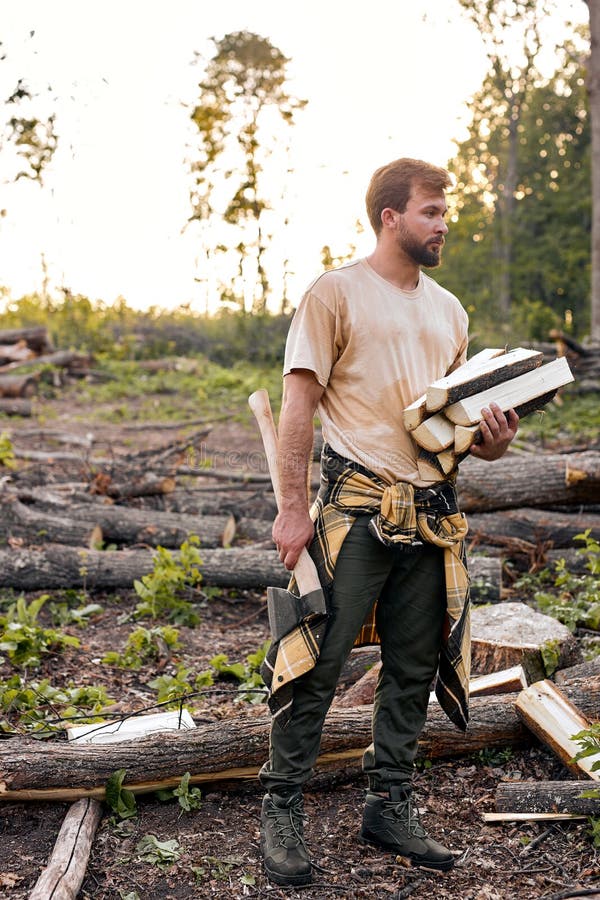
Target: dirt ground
pixel 217 845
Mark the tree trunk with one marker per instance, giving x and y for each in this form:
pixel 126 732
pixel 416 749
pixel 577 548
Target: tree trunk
pixel 538 480
pixel 546 796
pixel 19 521
pixel 234 748
pixel 593 87
pixel 15 407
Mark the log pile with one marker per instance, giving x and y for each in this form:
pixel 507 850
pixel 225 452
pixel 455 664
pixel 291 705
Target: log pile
pixel 444 422
pixel 28 355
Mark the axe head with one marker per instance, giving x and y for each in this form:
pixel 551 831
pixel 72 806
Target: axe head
pixel 287 610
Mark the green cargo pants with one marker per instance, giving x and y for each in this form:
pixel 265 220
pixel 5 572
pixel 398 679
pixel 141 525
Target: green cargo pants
pixel 411 593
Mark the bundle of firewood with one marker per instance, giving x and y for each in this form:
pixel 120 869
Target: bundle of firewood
pixel 444 422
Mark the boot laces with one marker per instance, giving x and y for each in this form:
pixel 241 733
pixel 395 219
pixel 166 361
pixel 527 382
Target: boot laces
pixel 288 822
pixel 407 813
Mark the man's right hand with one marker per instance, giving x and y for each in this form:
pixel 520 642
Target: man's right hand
pixel 291 533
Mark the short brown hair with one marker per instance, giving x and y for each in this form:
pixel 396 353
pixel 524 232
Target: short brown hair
pixel 391 185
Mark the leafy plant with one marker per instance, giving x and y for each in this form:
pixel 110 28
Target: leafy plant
pixel 143 644
pixel 33 705
pixel 172 689
pixel 63 614
pixel 7 453
pixel 23 639
pixel 573 599
pixel 163 591
pixel 188 798
pixel 158 853
pixel 215 868
pixel 589 741
pixel 120 799
pixel 252 688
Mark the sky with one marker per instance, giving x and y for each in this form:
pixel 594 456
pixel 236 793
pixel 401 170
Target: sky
pixel 383 79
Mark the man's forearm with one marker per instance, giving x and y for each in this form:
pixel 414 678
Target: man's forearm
pixel 296 435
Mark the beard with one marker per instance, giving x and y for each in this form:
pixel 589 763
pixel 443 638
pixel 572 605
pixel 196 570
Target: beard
pixel 428 254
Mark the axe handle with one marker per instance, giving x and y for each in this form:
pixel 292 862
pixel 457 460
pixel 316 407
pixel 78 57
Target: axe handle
pixel 305 571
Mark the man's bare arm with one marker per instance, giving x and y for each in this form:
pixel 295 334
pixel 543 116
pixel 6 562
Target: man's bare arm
pixel 293 528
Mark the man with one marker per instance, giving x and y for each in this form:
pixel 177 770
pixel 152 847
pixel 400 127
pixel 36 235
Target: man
pixel 366 341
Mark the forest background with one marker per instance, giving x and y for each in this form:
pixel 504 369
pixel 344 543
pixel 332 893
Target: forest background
pixel 522 244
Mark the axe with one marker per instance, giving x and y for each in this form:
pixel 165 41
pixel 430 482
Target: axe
pixel 286 610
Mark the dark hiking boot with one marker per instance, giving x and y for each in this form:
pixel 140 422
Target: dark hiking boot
pixel 284 852
pixel 393 823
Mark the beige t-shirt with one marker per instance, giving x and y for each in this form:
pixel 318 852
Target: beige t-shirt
pixel 375 349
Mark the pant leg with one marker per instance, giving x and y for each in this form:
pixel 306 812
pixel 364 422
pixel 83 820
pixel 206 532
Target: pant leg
pixel 410 617
pixel 362 568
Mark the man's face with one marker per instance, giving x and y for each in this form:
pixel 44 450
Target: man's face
pixel 422 227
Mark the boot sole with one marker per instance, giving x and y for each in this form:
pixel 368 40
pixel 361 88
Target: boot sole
pixel 442 866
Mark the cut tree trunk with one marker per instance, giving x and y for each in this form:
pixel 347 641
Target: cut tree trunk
pixel 545 797
pixel 86 526
pixel 63 876
pixel 15 352
pixel 510 634
pixel 18 385
pixel 534 525
pixel 237 747
pixel 536 480
pixel 59 358
pixel 481 376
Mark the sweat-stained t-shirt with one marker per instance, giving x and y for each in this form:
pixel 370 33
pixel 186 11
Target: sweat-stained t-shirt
pixel 375 349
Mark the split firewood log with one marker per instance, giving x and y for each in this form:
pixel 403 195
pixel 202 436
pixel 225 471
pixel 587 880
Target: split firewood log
pixel 481 376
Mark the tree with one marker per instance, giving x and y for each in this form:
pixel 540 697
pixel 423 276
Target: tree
pixel 244 101
pixel 548 275
pixel 593 86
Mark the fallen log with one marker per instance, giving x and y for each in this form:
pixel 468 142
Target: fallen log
pixel 36 337
pixel 138 486
pixel 59 566
pixel 545 797
pixel 529 480
pixel 59 358
pixel 20 521
pixel 88 525
pixel 15 352
pixel 63 876
pixel 16 407
pixel 236 748
pixel 14 386
pixel 535 525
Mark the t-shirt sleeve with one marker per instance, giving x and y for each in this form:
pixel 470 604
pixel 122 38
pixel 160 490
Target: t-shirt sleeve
pixel 311 342
pixel 461 356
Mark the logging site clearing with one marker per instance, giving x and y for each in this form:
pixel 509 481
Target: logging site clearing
pixel 135 555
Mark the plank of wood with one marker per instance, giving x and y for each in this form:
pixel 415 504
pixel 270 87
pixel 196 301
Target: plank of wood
pixel 554 719
pixel 63 876
pixel 484 374
pixel 529 817
pixel 511 394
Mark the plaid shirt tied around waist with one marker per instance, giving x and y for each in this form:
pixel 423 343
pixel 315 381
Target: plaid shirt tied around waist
pixel 402 518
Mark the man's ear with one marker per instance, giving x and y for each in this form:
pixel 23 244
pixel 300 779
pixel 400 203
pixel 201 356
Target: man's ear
pixel 389 217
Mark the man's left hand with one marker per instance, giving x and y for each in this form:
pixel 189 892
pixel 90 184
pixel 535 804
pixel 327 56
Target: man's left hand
pixel 497 431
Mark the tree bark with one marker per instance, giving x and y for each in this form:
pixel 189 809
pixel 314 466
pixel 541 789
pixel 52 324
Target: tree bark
pixel 593 88
pixel 59 358
pixel 233 748
pixel 16 407
pixel 546 796
pixel 19 521
pixel 536 480
pixel 63 876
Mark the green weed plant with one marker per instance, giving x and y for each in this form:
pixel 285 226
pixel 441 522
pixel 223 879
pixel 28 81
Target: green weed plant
pixel 22 637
